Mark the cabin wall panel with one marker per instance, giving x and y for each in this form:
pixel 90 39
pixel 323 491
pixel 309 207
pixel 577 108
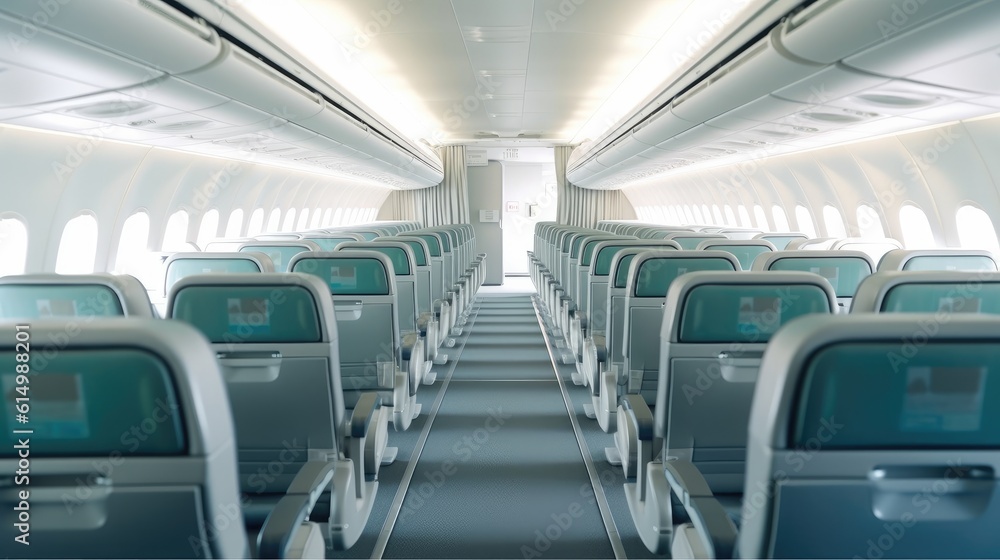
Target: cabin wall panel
pixel 49 178
pixel 937 169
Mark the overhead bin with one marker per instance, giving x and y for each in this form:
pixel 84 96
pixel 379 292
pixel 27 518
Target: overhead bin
pixel 748 77
pixel 971 62
pixel 827 32
pixel 270 92
pixel 153 35
pixel 41 66
pixel 831 73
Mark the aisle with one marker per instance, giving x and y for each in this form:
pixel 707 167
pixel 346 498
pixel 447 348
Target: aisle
pixel 501 474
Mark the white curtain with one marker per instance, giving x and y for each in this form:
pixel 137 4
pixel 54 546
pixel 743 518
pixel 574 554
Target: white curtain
pixel 447 203
pixel 585 207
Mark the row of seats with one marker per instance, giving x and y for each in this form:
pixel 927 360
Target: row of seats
pixel 301 370
pixel 679 403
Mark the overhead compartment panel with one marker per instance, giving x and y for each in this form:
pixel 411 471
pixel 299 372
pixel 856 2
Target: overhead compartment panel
pixel 968 38
pixel 153 34
pixel 828 32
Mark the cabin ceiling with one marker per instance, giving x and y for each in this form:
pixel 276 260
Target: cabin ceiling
pixel 474 70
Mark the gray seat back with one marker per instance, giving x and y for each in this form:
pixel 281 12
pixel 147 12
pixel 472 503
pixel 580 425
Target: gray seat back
pixel 715 328
pixel 967 260
pixel 649 277
pixel 280 252
pixel 329 241
pixel 276 343
pixel 689 240
pixel 363 289
pixel 940 292
pixel 130 419
pixel 599 274
pixel 857 449
pixel 402 258
pixel 422 270
pixel 38 296
pixel 581 270
pixel 179 265
pixel 780 240
pixel 745 250
pixel 845 270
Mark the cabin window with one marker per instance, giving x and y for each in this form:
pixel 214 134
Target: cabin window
pixel 303 220
pixel 273 221
pixel 326 217
pixel 706 213
pixel 780 220
pixel 338 216
pixel 688 215
pixel 869 223
pixel 744 217
pixel 256 225
pixel 175 234
pixel 717 214
pixel 132 244
pixel 698 219
pixel 234 227
pixel 761 217
pixel 917 232
pixel 289 223
pixel 805 221
pixel 730 216
pixel 209 228
pixel 13 246
pixel 316 217
pixel 975 229
pixel 834 222
pixel 78 246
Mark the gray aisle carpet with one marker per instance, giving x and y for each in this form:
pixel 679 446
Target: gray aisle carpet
pixel 501 474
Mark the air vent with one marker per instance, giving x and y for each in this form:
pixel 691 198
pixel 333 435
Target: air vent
pixel 183 126
pixel 836 118
pixel 530 135
pixel 902 100
pixel 485 135
pixel 107 109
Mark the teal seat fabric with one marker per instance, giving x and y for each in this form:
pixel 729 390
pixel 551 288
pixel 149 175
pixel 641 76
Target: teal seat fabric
pixel 130 444
pixel 621 272
pixel 83 403
pixel 876 439
pixel 348 276
pixel 943 398
pixel 249 314
pixel 655 275
pixel 967 263
pixel 37 301
pixel 721 313
pixel 400 262
pixel 329 243
pixel 843 273
pixel 280 254
pixel 184 267
pixel 744 253
pixel 958 297
pixel 780 241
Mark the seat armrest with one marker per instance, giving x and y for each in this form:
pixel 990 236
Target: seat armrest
pixel 640 415
pixel 293 509
pixel 409 340
pixel 364 412
pixel 710 520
